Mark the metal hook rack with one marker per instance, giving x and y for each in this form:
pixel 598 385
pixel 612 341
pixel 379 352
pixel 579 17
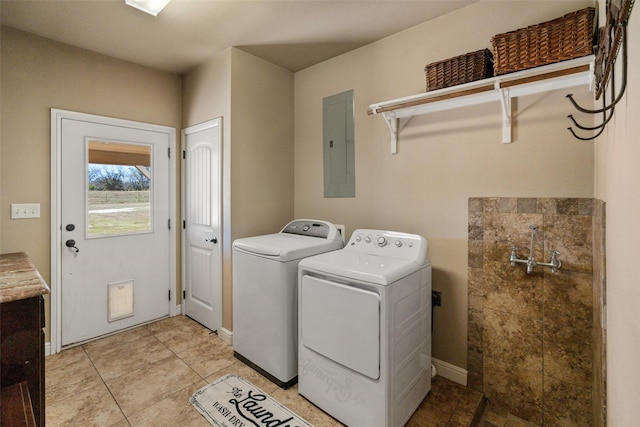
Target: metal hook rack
pixel 605 120
pixel 620 37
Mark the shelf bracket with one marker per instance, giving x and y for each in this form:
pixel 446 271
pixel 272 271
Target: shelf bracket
pixel 392 123
pixel 505 101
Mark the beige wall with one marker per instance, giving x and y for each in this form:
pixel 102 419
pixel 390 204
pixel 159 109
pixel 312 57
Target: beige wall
pixel 443 158
pixel 39 74
pixel 618 183
pixel 255 100
pixel 261 146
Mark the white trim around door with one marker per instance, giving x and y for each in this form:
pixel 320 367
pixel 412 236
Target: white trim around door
pixel 57 116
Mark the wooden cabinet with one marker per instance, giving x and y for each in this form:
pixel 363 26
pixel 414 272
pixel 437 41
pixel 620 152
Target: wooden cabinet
pixel 16 406
pixel 21 333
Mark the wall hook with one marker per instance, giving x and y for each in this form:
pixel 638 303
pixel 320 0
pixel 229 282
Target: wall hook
pixel 599 127
pixel 624 80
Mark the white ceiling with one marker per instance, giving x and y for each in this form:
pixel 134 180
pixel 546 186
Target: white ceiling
pixel 292 33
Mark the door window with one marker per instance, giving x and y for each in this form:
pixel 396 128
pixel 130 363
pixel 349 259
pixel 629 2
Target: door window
pixel 119 184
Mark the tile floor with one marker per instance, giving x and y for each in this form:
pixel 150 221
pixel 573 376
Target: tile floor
pixel 145 376
pixel 497 417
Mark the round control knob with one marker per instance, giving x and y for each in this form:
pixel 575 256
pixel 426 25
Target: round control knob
pixel 305 228
pixel 367 239
pixel 382 241
pixel 398 244
pixel 358 238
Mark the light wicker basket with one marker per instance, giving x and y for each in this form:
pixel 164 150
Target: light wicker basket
pixel 568 37
pixel 465 68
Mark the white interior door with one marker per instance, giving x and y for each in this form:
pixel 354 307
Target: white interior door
pixel 114 227
pixel 201 213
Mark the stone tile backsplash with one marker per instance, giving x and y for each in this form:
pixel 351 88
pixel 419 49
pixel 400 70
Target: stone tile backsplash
pixel 532 337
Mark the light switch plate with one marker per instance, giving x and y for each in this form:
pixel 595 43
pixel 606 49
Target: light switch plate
pixel 25 210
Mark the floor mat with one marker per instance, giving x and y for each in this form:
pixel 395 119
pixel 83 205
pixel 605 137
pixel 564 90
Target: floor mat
pixel 230 401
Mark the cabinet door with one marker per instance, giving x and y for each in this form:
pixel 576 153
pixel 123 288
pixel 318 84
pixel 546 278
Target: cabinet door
pixel 22 351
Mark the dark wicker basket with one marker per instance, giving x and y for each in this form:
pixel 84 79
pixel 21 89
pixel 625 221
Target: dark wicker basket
pixel 460 69
pixel 568 37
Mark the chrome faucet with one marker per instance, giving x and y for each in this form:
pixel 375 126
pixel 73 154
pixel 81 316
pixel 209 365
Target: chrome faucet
pixel 531 262
pixel 554 263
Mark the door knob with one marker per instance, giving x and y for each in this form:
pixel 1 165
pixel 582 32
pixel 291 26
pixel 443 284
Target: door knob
pixel 72 244
pixel 213 240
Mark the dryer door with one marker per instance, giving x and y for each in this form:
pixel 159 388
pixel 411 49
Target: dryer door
pixel 341 323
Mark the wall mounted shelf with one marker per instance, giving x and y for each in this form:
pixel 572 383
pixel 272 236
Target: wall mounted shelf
pixel 566 74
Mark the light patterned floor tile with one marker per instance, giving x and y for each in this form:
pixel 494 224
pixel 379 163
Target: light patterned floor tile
pixel 71 379
pixel 129 336
pixel 95 407
pixel 208 358
pixel 174 410
pixel 64 357
pixel 145 386
pixel 180 333
pixel 120 359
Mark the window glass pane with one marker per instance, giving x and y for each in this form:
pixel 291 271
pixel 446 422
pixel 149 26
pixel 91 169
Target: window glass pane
pixel 119 188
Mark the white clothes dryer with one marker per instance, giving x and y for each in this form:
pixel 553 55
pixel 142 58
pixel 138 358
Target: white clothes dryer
pixel 265 301
pixel 364 343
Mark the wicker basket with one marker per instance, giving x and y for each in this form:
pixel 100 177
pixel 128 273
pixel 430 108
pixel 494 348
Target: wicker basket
pixel 460 69
pixel 568 37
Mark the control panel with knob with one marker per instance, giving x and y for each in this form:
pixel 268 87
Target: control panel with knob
pixel 377 242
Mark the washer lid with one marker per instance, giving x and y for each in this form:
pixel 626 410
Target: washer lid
pixel 360 266
pixel 285 247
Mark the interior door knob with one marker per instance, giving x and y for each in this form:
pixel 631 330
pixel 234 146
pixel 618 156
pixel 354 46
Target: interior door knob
pixel 72 244
pixel 213 240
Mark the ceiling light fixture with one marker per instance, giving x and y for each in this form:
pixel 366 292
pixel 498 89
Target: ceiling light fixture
pixel 152 7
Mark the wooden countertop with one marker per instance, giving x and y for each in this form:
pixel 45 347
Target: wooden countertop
pixel 19 279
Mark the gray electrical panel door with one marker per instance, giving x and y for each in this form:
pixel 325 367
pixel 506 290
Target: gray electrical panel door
pixel 338 149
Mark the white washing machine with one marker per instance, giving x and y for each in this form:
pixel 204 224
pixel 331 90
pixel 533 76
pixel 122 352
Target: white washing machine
pixel 365 329
pixel 265 295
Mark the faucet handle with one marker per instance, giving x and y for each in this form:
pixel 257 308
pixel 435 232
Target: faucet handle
pixel 555 262
pixel 512 257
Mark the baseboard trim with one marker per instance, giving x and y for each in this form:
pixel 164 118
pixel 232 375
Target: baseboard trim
pixel 47 348
pixel 225 335
pixel 178 310
pixel 450 372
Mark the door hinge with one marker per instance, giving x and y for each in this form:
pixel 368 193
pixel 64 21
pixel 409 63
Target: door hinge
pixel 169 152
pixel 169 294
pixel 184 154
pixel 184 224
pixel 184 294
pixel 169 223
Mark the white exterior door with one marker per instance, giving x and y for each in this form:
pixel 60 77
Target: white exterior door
pixel 113 227
pixel 201 214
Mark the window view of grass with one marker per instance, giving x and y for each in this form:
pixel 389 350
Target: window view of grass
pixel 118 200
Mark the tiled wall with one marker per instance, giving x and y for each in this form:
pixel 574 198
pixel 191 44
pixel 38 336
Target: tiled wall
pixel 531 336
